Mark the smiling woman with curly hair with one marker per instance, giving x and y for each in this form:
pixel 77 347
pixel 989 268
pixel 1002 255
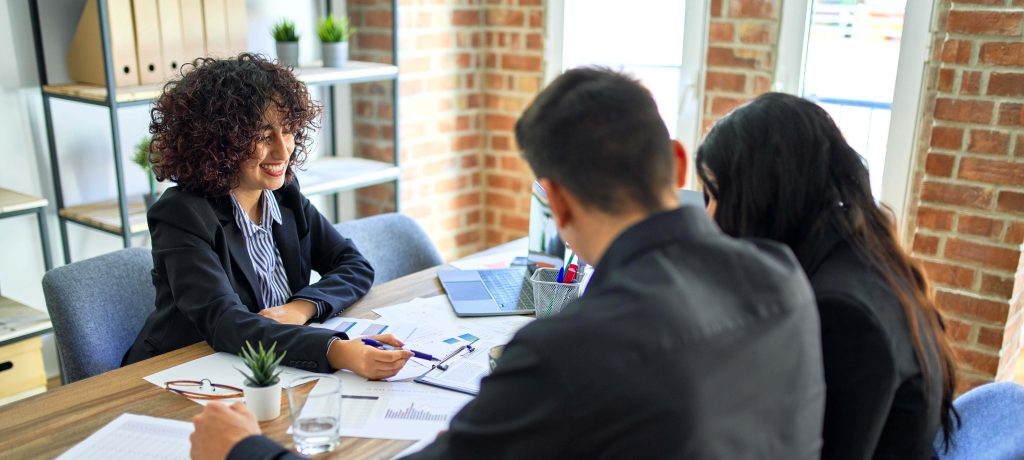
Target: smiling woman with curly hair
pixel 234 242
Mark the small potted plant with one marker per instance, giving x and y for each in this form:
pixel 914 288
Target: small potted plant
pixel 334 33
pixel 262 383
pixel 142 155
pixel 287 40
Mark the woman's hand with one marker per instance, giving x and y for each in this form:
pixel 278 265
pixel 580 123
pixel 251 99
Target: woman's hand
pixel 370 362
pixel 294 312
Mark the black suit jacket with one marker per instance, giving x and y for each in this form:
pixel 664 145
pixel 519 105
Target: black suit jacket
pixel 206 287
pixel 880 403
pixel 686 344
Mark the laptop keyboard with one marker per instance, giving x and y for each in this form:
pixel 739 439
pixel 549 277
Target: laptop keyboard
pixel 510 289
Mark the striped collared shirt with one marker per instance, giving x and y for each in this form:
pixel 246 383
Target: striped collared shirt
pixel 266 259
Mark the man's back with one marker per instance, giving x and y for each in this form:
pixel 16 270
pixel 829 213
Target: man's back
pixel 687 344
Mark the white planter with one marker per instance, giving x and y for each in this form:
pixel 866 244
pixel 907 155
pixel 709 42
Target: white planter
pixel 264 402
pixel 335 54
pixel 288 54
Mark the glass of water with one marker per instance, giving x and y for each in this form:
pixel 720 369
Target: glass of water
pixel 314 403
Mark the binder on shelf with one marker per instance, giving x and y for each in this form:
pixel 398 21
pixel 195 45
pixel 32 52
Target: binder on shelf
pixel 236 23
pixel 85 53
pixel 193 34
pixel 215 26
pixel 147 41
pixel 171 46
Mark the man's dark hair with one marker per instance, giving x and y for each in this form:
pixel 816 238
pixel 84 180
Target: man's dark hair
pixel 598 133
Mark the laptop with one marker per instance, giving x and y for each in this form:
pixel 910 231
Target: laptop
pixel 507 291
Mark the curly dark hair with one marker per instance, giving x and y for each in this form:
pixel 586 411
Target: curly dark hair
pixel 206 123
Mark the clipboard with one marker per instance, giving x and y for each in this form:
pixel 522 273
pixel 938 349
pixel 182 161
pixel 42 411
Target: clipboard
pixel 461 370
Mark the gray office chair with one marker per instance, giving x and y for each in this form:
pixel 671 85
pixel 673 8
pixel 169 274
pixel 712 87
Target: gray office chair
pixel 393 243
pixel 97 307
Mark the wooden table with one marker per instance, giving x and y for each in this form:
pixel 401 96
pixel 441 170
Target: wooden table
pixel 47 425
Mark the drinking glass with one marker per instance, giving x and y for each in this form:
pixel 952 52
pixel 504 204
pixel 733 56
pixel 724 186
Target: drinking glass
pixel 314 404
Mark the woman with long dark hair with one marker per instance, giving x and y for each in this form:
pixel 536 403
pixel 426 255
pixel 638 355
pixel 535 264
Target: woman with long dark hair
pixel 778 168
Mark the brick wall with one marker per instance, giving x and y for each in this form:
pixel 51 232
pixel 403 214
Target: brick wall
pixel 742 48
pixel 513 74
pixel 970 215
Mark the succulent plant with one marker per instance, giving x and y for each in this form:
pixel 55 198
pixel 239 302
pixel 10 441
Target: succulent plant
pixel 262 364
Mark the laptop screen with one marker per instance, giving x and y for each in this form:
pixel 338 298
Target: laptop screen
pixel 546 247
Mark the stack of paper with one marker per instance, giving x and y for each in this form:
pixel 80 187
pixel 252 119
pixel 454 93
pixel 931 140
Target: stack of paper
pixel 132 437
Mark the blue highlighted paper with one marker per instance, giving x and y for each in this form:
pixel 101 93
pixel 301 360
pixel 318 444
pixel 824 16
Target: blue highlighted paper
pixel 451 341
pixel 345 326
pixel 469 337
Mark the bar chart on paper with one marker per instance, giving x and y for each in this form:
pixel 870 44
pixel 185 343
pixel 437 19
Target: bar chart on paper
pixel 412 413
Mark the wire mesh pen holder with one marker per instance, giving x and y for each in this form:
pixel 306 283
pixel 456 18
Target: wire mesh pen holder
pixel 550 296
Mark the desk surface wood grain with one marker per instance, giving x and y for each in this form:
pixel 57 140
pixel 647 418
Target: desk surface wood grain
pixel 45 426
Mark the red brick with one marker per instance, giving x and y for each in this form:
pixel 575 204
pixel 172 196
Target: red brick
pixel 739 58
pixel 374 41
pixel 502 17
pixel 1006 84
pixel 517 62
pixel 723 105
pixel 716 9
pixel 971 307
pixel 721 32
pixel 991 171
pixel 1010 202
pixel 939 165
pixel 956 51
pixel 1010 114
pixel 961 195
pixel 725 81
pixel 984 22
pixel 935 219
pixel 514 222
pixel 970 83
pixel 1000 286
pixel 756 33
pixel 465 18
pixel 993 142
pixel 983 254
pixel 1014 233
pixel 925 244
pixel 378 19
pixel 947 138
pixel 976 360
pixel 966 381
pixel 499 122
pixel 958 331
pixel 751 9
pixel 964 110
pixel 947 274
pixel 980 2
pixel 499 201
pixel 946 78
pixel 979 226
pixel 1005 54
pixel 990 337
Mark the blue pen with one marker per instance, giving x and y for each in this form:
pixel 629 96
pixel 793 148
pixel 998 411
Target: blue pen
pixel 416 354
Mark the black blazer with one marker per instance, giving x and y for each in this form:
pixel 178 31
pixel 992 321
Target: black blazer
pixel 686 344
pixel 879 403
pixel 206 287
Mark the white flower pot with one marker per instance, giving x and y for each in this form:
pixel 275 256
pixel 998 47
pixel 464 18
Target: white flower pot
pixel 264 402
pixel 288 54
pixel 335 54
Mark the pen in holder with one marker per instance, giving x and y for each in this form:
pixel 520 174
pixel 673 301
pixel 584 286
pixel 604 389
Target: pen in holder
pixel 550 296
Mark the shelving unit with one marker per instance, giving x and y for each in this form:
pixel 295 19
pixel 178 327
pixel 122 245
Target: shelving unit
pixel 125 215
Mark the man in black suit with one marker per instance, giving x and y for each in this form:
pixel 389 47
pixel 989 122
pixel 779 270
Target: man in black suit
pixel 686 344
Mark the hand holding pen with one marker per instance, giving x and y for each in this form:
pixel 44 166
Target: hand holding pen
pixel 383 346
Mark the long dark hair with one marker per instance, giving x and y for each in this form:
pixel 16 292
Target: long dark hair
pixel 780 169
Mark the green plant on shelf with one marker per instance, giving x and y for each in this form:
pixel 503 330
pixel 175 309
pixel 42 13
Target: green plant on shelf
pixel 142 158
pixel 262 364
pixel 333 29
pixel 284 31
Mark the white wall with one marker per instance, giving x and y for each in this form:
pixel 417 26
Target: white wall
pixel 82 136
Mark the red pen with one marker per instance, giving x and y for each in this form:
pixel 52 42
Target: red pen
pixel 570 274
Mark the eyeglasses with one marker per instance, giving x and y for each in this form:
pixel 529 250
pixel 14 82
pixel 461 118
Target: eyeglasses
pixel 203 389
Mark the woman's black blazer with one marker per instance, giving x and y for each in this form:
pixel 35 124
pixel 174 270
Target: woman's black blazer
pixel 206 287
